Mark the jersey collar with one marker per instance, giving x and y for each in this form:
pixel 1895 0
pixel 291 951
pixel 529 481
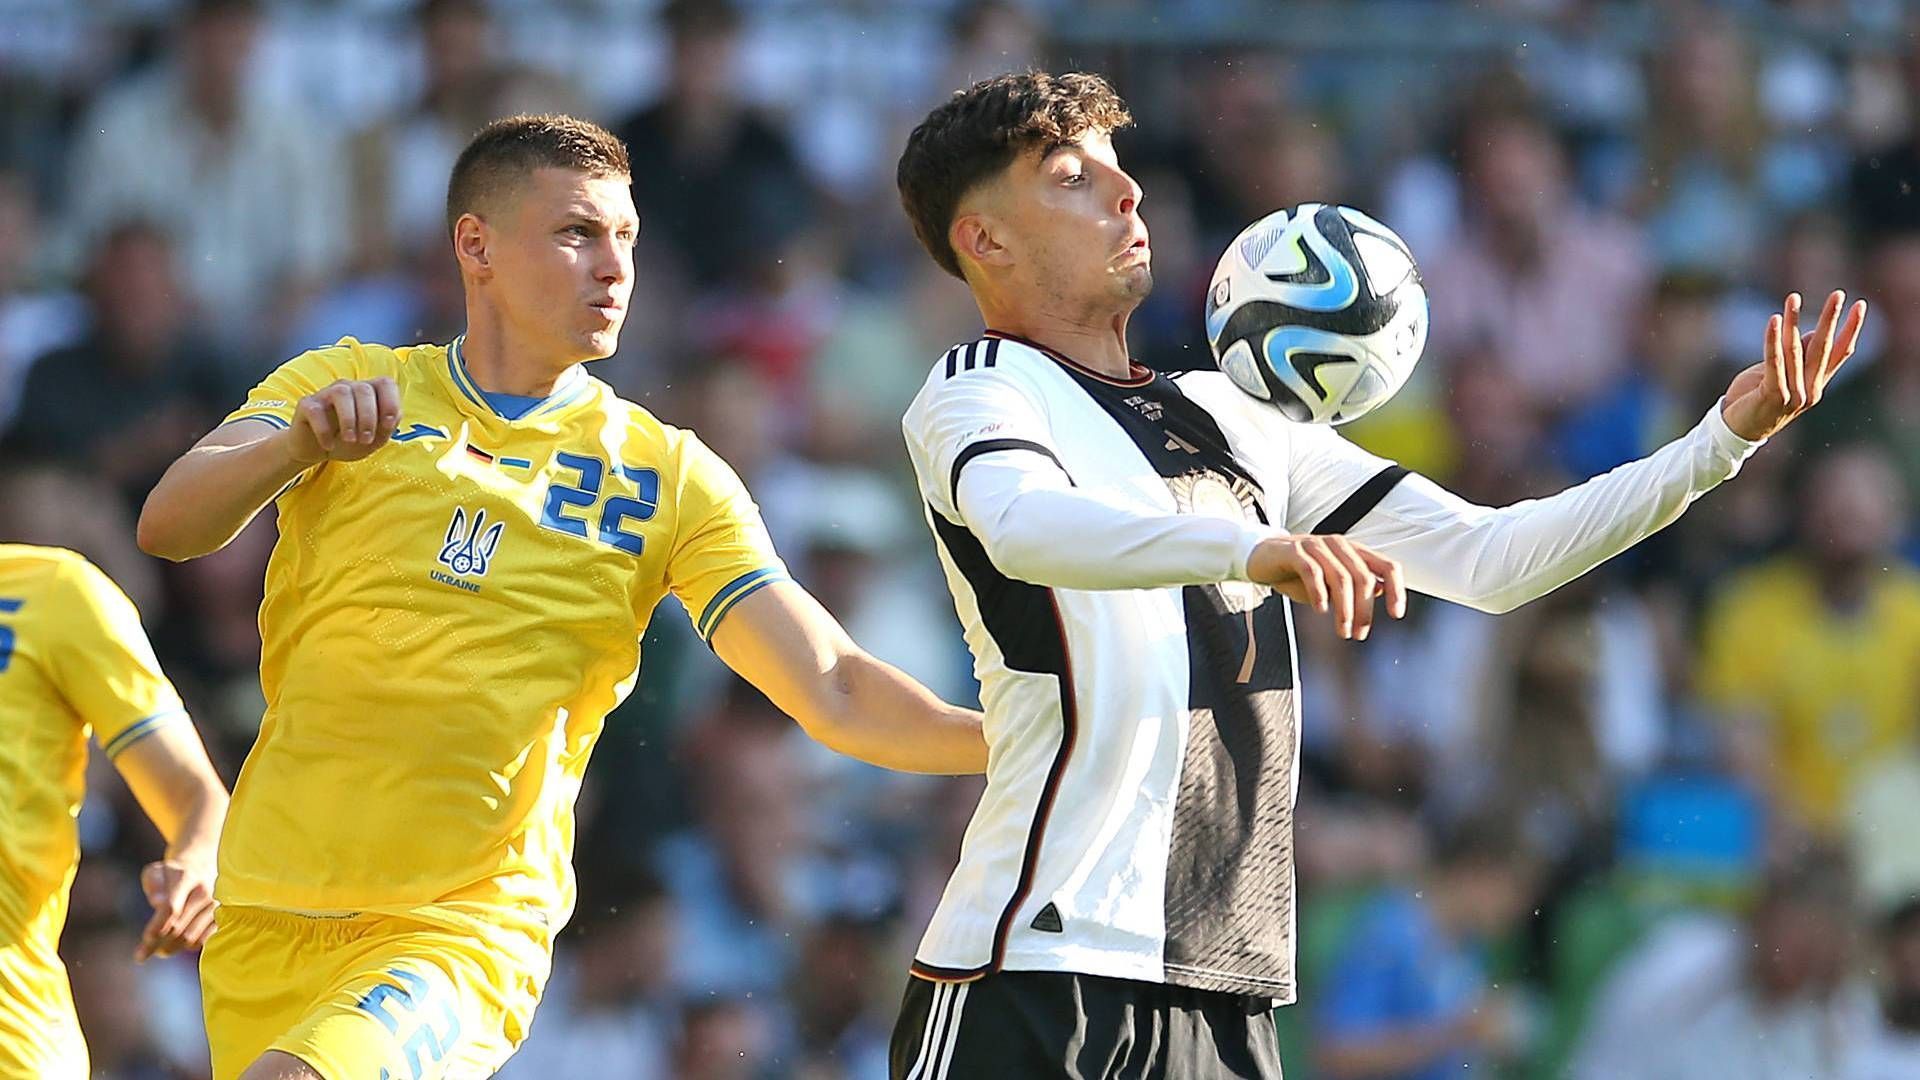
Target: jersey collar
pixel 572 387
pixel 1141 374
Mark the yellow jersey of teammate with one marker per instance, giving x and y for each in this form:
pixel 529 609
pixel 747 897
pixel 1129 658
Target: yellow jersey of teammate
pixel 446 624
pixel 73 662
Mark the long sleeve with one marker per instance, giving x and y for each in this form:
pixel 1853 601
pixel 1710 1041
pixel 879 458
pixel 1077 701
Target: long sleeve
pixel 1038 529
pixel 1497 559
pixel 985 455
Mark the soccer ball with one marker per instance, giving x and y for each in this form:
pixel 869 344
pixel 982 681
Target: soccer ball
pixel 1319 310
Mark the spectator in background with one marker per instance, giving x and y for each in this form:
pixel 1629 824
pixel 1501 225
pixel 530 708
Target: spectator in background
pixel 33 321
pixel 1677 366
pixel 114 1005
pixel 1408 996
pixel 1880 404
pixel 744 880
pixel 717 179
pixel 1548 288
pixel 254 190
pixel 1884 185
pixel 1880 828
pixel 1892 1051
pixel 1813 658
pixel 1770 999
pixel 1703 148
pixel 140 387
pixel 724 1038
pixel 607 1009
pixel 841 1003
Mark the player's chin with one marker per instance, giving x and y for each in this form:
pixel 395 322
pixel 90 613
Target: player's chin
pixel 1133 282
pixel 600 342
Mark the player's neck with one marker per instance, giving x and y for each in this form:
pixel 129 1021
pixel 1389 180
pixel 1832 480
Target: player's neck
pixel 1100 345
pixel 498 365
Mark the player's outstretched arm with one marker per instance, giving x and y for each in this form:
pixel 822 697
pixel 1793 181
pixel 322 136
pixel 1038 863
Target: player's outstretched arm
pixel 213 490
pixel 169 773
pixel 1496 559
pixel 783 642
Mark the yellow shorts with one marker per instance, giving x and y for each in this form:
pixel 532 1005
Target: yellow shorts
pixel 366 997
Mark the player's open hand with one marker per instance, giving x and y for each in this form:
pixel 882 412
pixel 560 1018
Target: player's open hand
pixel 182 897
pixel 345 421
pixel 1794 368
pixel 1331 573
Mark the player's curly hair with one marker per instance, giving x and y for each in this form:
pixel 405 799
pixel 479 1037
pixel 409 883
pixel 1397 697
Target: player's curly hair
pixel 979 131
pixel 508 150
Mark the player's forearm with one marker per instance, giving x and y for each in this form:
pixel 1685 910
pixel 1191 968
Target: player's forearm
pixel 1498 559
pixel 169 774
pixel 212 492
pixel 1071 538
pixel 873 711
pixel 196 835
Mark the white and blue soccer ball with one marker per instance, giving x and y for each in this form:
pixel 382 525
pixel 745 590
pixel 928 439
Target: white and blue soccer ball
pixel 1318 310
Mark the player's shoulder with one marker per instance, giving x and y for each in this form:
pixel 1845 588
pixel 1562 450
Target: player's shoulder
pixel 35 563
pixel 642 433
pixel 988 358
pixel 351 358
pixel 55 571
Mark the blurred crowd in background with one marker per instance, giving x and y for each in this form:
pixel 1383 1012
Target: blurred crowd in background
pixel 1659 824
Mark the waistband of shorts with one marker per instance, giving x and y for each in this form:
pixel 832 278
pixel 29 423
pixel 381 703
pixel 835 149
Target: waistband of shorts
pixel 343 925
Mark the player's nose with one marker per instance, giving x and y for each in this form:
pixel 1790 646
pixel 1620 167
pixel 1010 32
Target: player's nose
pixel 1130 193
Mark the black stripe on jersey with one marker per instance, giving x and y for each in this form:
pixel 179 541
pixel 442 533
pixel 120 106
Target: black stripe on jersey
pixel 1229 885
pixel 1025 621
pixel 1366 497
pixel 972 357
pixel 988 446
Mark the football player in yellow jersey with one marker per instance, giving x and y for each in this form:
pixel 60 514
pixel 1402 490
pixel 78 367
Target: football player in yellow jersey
pixel 472 539
pixel 73 659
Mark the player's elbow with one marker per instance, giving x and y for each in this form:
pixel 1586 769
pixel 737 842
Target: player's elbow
pixel 163 533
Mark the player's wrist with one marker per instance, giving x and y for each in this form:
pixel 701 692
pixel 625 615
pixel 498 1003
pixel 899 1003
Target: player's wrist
pixel 299 450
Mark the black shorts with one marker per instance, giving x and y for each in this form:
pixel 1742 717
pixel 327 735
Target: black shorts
pixel 1042 1024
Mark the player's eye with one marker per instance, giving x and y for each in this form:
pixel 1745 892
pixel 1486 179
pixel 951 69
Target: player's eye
pixel 580 231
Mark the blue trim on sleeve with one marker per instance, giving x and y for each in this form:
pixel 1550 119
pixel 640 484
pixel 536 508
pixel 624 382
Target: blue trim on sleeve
pixel 140 729
pixel 735 591
pixel 8 607
pixel 265 418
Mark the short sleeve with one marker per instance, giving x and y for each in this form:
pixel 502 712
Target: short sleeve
pixel 272 401
pixel 104 664
pixel 1331 482
pixel 959 417
pixel 721 552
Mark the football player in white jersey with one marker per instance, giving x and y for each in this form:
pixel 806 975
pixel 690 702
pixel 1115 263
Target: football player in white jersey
pixel 1122 547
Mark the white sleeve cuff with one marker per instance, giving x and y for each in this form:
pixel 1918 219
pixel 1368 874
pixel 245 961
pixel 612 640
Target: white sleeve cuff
pixel 1724 439
pixel 1250 537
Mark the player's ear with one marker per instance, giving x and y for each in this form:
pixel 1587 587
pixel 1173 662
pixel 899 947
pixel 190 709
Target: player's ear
pixel 974 237
pixel 470 242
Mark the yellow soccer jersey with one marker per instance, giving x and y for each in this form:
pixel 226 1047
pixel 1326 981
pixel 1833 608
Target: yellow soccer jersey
pixel 1838 691
pixel 73 659
pixel 446 624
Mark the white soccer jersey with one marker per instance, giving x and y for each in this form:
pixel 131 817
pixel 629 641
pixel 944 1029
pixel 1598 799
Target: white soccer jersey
pixel 1139 692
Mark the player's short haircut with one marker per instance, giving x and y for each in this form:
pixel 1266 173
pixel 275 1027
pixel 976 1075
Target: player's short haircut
pixel 507 152
pixel 979 131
